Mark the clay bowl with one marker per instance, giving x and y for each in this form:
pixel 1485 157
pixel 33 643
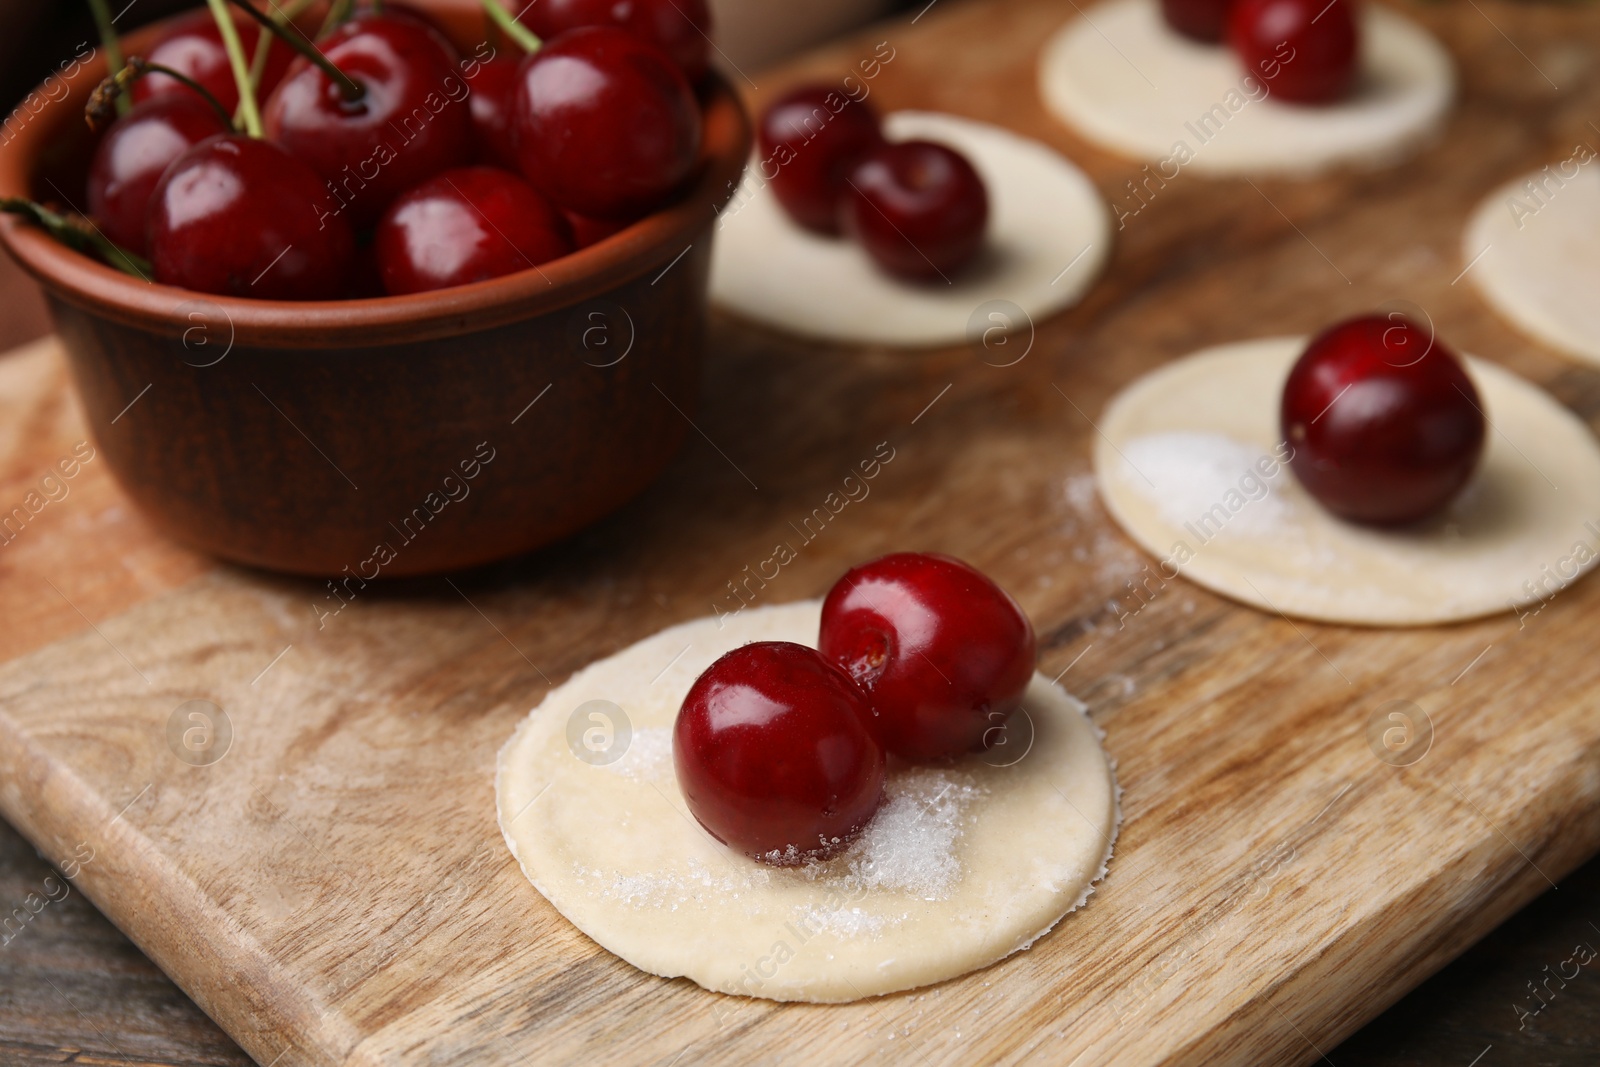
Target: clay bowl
pixel 394 436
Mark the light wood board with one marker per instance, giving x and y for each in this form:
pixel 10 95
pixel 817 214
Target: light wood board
pixel 335 890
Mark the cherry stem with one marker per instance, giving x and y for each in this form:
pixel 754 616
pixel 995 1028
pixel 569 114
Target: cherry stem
pixel 338 12
pixel 249 115
pixel 351 89
pixel 76 237
pixel 98 111
pixel 258 62
pixel 511 27
pixel 108 41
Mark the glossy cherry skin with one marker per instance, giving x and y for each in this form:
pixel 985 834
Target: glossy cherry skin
pixel 1199 20
pixel 242 217
pixel 680 28
pixel 587 231
pixel 137 149
pixel 1385 425
pixel 918 208
pixel 412 122
pixel 606 125
pixel 493 107
pixel 773 754
pixel 194 47
pixel 943 653
pixel 809 140
pixel 1304 51
pixel 467 225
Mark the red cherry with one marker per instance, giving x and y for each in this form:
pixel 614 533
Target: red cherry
pixel 194 47
pixel 1305 51
pixel 412 122
pixel 587 231
pixel 1202 20
pixel 242 217
pixel 606 124
pixel 810 140
pixel 135 152
pixel 943 653
pixel 467 225
pixel 493 107
pixel 680 28
pixel 1385 425
pixel 409 11
pixel 918 208
pixel 773 754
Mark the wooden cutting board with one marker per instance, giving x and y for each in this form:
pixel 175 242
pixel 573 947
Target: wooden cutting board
pixel 334 888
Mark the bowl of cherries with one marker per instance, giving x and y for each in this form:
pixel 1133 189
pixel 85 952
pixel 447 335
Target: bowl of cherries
pixel 370 288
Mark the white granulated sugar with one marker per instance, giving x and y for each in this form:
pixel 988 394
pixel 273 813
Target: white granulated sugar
pixel 648 757
pixel 1190 476
pixel 671 888
pixel 910 845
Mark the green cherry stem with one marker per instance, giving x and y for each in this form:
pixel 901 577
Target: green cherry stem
pixel 351 89
pixel 76 237
pixel 249 114
pixel 338 13
pixel 258 62
pixel 108 41
pixel 511 27
pixel 98 111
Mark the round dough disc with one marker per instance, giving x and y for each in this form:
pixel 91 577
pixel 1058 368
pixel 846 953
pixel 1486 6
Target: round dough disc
pixel 1049 235
pixel 1535 256
pixel 964 864
pixel 1176 467
pixel 1123 79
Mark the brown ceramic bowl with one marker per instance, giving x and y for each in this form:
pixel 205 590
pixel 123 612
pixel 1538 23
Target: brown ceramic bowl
pixel 394 436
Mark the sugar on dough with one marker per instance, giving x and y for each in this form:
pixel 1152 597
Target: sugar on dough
pixel 963 865
pixel 1122 78
pixel 1049 236
pixel 1530 248
pixel 1183 466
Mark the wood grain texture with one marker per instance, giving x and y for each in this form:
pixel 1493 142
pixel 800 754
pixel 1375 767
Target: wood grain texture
pixel 335 889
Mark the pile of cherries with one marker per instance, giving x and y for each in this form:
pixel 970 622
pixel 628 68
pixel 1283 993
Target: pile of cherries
pixel 1386 427
pixel 386 162
pixel 918 208
pixel 781 749
pixel 1305 51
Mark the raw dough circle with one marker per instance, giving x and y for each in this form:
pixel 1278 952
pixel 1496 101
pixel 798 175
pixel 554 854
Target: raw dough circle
pixel 1123 79
pixel 1049 235
pixel 963 865
pixel 1535 256
pixel 1177 442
